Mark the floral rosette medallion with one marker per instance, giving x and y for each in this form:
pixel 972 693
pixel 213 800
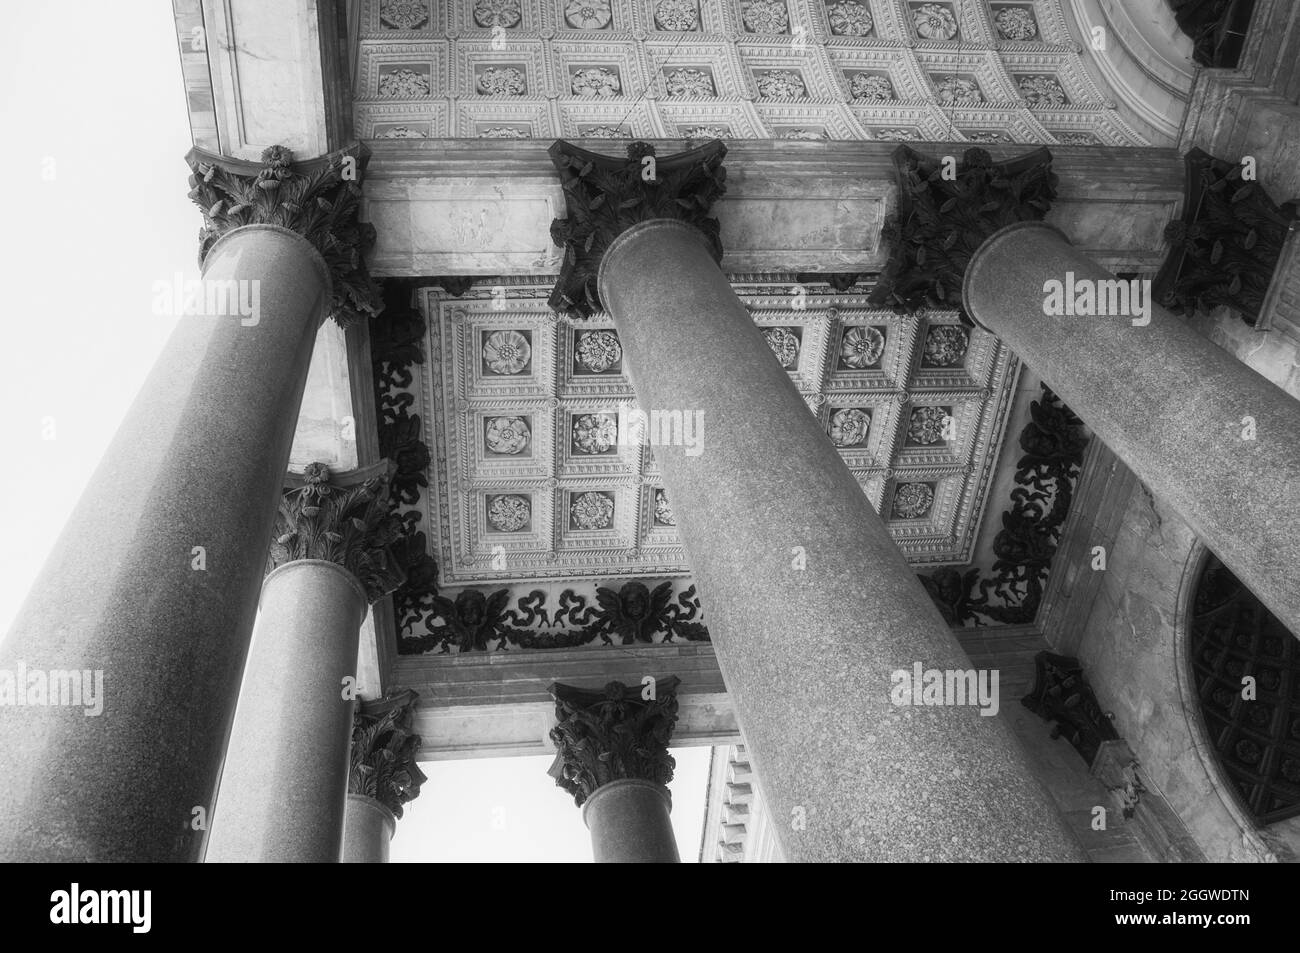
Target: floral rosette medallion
pixel 849 427
pixel 598 351
pixel 594 433
pixel 592 511
pixel 507 435
pixel 509 513
pixel 506 352
pixel 861 347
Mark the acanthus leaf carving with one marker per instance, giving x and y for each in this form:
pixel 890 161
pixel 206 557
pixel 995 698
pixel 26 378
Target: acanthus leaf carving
pixel 385 750
pixel 319 200
pixel 344 521
pixel 613 734
pixel 606 196
pixel 1225 248
pixel 941 220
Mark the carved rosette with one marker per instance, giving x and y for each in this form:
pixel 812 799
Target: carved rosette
pixel 319 200
pixel 345 521
pixel 614 734
pixel 941 221
pixel 606 196
pixel 385 749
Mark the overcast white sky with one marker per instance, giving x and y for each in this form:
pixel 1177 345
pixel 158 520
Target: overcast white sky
pixel 95 211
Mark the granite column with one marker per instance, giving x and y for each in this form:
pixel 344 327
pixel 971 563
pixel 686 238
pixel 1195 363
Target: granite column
pixel 612 756
pixel 811 606
pixel 150 593
pixel 285 778
pixel 1206 434
pixel 383 776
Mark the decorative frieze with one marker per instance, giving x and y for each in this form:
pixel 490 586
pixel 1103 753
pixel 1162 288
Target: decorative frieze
pixel 606 196
pixel 318 199
pixel 478 620
pixel 384 750
pixel 621 732
pixel 1053 443
pixel 344 521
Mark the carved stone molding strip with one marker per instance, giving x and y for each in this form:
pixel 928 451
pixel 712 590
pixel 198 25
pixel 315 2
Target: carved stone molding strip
pixel 344 521
pixel 946 211
pixel 609 735
pixel 479 621
pixel 1225 249
pixel 318 199
pixel 606 196
pixel 1053 442
pixel 384 750
pixel 1063 696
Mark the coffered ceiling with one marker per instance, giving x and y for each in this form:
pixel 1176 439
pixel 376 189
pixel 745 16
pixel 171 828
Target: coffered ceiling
pixel 732 69
pixel 541 469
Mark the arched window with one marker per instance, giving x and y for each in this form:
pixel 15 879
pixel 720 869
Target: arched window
pixel 1231 637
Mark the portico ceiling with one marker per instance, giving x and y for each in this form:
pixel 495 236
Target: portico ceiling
pixel 541 470
pixel 732 69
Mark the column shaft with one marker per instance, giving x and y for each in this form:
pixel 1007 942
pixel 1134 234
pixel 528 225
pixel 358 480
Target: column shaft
pixel 368 829
pixel 1205 433
pixel 811 605
pixel 197 462
pixel 630 824
pixel 285 780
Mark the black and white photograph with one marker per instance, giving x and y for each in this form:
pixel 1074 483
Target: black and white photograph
pixel 655 432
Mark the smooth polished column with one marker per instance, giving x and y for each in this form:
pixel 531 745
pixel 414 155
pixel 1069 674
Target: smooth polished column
pixel 285 778
pixel 286 773
pixel 154 580
pixel 1206 434
pixel 368 829
pixel 811 606
pixel 630 824
pixel 611 754
pixel 384 775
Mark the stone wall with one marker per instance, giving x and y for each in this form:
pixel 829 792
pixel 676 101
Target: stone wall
pixel 1131 639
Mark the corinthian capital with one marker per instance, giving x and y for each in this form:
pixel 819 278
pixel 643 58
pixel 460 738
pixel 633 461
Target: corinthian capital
pixel 946 211
pixel 343 520
pixel 384 750
pixel 604 736
pixel 318 199
pixel 606 196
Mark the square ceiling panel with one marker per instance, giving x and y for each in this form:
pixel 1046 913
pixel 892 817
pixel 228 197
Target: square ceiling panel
pixel 540 457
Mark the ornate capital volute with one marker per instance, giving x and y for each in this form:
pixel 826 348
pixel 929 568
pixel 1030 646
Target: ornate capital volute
pixel 318 199
pixel 620 732
pixel 385 749
pixel 606 196
pixel 343 520
pixel 945 212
